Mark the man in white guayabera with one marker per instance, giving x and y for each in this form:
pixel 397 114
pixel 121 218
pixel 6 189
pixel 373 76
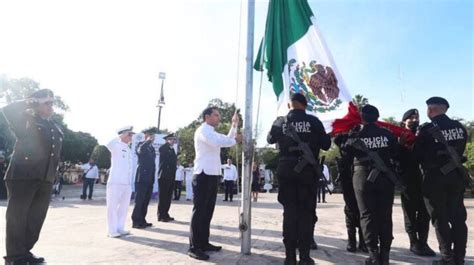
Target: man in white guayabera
pixel 119 184
pixel 207 171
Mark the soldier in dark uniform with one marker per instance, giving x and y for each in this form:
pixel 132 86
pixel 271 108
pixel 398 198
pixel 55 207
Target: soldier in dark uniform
pixel 144 179
pixel 166 177
pixel 444 189
pixel 297 191
pixel 374 199
pixel 417 220
pixel 351 211
pixel 31 172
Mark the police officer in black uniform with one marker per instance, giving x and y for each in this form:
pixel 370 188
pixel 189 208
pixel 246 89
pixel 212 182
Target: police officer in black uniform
pixel 374 199
pixel 351 211
pixel 417 219
pixel 444 189
pixel 144 179
pixel 166 177
pixel 31 173
pixel 297 191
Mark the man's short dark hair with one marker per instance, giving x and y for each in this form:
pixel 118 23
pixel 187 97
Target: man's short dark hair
pixel 208 111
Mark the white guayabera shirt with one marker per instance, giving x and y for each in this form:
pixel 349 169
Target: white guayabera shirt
pixel 208 144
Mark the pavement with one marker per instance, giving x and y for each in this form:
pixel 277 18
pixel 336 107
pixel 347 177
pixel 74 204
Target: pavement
pixel 75 233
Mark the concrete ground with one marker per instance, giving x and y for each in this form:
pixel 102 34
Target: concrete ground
pixel 75 233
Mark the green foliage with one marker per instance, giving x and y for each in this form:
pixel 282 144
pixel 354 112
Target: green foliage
pixel 391 120
pixel 269 157
pixel 101 155
pixel 360 101
pixel 77 146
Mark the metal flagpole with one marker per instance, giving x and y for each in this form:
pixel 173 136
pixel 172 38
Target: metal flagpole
pixel 245 215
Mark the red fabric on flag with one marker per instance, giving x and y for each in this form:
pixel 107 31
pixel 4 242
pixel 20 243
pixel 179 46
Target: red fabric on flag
pixel 352 119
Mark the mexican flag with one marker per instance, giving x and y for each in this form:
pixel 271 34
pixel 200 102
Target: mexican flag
pixel 298 60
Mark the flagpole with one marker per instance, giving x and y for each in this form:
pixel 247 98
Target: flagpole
pixel 245 215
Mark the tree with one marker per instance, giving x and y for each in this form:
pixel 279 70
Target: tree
pixel 360 101
pixel 391 120
pixel 101 155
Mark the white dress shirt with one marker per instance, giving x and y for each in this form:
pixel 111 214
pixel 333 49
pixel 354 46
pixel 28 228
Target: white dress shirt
pixel 121 163
pixel 179 173
pixel 208 144
pixel 326 173
pixel 230 172
pixel 92 173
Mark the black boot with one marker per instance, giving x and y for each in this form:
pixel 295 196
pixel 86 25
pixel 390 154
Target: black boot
pixel 362 245
pixel 290 257
pixel 385 256
pixel 290 251
pixel 351 240
pixel 426 250
pixel 415 245
pixel 314 245
pixel 373 258
pixel 305 258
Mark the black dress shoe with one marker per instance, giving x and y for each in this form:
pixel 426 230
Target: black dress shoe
pixel 314 245
pixel 139 226
pixel 363 247
pixel 211 247
pixel 33 259
pixel 148 224
pixel 198 254
pixel 166 219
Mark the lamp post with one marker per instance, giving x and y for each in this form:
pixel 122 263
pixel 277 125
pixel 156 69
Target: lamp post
pixel 161 101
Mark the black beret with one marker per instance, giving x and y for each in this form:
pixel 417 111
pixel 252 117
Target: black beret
pixel 369 113
pixel 408 113
pixel 299 98
pixel 370 110
pixel 42 93
pixel 437 101
pixel 171 135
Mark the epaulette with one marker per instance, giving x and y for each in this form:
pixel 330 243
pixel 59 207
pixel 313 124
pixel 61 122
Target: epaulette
pixel 423 127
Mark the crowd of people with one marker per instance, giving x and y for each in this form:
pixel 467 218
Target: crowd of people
pixel 373 161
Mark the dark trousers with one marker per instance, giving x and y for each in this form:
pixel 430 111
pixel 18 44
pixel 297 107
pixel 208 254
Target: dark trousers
pixel 143 193
pixel 166 187
pixel 321 193
pixel 205 193
pixel 88 184
pixel 375 201
pixel 178 185
pixel 315 214
pixel 229 189
pixel 28 202
pixel 417 219
pixel 297 194
pixel 445 204
pixel 351 210
pixel 3 189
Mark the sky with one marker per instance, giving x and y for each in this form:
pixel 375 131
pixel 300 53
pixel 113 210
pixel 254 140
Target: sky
pixel 103 57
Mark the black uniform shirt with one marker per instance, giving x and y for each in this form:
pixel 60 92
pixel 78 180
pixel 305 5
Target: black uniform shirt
pixel 309 129
pixel 430 152
pixel 376 139
pixel 168 161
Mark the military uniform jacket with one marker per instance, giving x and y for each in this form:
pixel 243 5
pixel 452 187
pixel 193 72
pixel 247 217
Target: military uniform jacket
pixel 168 161
pixel 431 153
pixel 146 163
pixel 309 129
pixel 38 144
